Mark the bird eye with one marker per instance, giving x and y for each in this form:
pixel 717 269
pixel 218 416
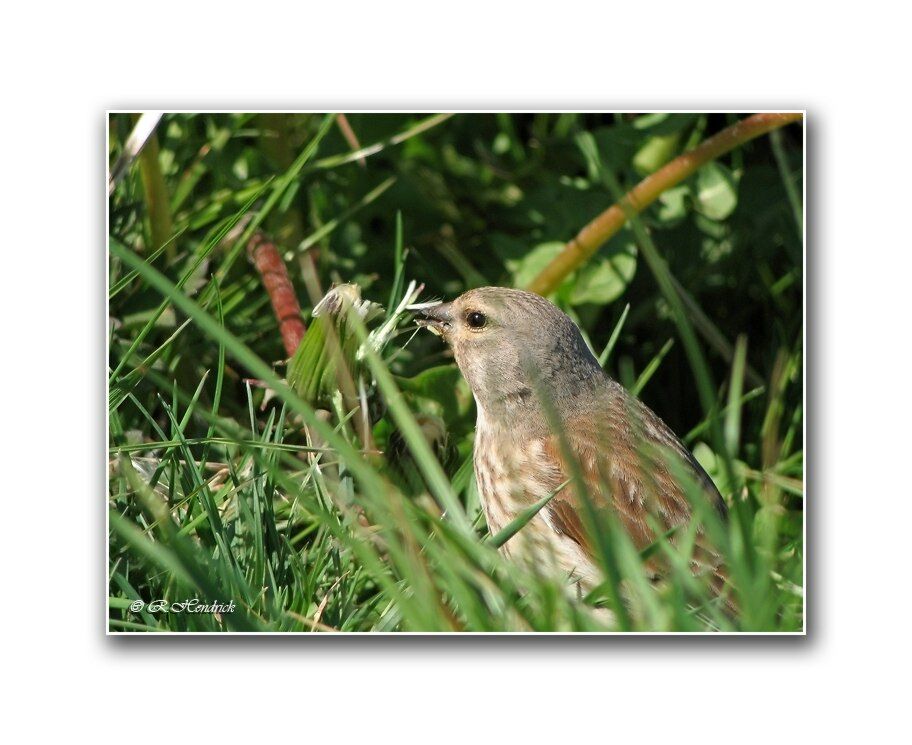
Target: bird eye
pixel 476 320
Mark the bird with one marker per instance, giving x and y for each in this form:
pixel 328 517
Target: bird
pixel 551 422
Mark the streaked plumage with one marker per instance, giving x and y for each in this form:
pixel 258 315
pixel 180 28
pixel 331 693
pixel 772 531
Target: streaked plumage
pixel 516 349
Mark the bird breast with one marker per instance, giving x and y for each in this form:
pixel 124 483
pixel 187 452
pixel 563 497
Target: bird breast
pixel 512 474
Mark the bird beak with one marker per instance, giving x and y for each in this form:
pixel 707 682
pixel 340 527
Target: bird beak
pixel 438 319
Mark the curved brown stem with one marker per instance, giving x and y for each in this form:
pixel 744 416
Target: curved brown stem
pixel 603 227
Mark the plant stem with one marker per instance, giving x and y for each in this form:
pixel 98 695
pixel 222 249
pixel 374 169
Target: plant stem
pixel 265 257
pixel 337 160
pixel 350 137
pixel 157 200
pixel 607 224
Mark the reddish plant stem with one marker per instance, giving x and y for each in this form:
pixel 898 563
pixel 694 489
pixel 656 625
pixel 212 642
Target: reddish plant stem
pixel 350 137
pixel 266 258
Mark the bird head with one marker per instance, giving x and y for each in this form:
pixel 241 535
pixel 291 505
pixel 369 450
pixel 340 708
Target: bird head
pixel 509 344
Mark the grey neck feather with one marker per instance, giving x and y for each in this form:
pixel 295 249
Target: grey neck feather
pixel 514 380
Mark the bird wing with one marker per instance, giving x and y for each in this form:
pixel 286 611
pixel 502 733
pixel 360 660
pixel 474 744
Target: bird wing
pixel 622 450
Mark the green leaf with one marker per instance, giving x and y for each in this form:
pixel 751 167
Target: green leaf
pixel 673 204
pixel 664 124
pixel 438 384
pixel 717 191
pixel 605 280
pixel 656 152
pixel 527 268
pixel 713 465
